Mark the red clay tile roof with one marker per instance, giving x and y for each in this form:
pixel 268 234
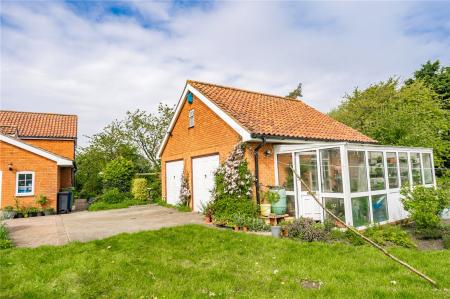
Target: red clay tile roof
pixel 271 115
pixel 41 125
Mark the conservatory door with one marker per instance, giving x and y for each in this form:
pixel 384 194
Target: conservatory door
pixel 307 166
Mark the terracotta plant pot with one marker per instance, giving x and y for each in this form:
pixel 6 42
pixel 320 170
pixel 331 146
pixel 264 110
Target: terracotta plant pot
pixel 208 219
pixel 245 229
pixel 285 233
pixel 236 228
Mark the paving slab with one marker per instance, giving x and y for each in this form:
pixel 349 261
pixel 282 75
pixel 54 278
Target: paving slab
pixel 86 226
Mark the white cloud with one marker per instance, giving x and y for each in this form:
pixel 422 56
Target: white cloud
pixel 54 60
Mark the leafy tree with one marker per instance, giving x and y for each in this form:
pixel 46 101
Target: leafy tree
pixel 136 138
pixel 436 77
pixel 118 174
pixel 407 115
pixel 146 131
pixel 296 93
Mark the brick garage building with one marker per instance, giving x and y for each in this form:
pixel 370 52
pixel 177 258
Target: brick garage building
pixel 349 172
pixel 37 151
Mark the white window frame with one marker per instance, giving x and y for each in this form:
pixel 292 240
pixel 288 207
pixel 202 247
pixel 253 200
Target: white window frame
pixel 191 118
pixel 32 183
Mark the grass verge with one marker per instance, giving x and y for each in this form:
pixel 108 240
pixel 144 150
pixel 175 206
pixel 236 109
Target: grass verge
pixel 5 240
pixel 199 262
pixel 101 205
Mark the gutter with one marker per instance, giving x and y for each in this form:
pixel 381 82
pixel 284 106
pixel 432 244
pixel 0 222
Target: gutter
pixel 256 156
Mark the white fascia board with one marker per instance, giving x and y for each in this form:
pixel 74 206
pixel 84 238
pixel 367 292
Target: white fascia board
pixel 59 160
pixel 245 135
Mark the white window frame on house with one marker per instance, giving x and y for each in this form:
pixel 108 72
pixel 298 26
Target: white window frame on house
pixel 32 183
pixel 191 118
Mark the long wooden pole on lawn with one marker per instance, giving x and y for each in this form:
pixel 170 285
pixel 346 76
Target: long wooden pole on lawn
pixel 355 231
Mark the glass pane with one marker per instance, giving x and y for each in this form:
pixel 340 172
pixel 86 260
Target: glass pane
pixel 404 169
pixel 360 211
pixel 21 183
pixel 331 170
pixel 308 170
pixel 358 171
pixel 29 176
pixel 427 168
pixel 416 169
pixel 336 206
pixel 22 190
pixel 391 160
pixel 290 200
pixel 376 171
pixel 21 177
pixel 285 175
pixel 379 208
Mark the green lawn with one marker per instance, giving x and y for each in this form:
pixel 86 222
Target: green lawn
pixel 200 262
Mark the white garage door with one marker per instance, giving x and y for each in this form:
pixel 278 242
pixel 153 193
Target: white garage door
pixel 203 179
pixel 174 172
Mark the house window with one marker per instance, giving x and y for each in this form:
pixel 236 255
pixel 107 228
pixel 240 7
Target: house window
pixel 391 161
pixel 285 175
pixel 416 169
pixel 358 171
pixel 427 168
pixel 376 170
pixel 191 118
pixel 404 168
pixel 379 208
pixel 360 211
pixel 24 183
pixel 331 170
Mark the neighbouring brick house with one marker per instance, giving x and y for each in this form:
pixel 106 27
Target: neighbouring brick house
pixel 37 153
pixel 351 174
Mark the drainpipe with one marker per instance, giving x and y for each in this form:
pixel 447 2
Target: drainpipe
pixel 256 155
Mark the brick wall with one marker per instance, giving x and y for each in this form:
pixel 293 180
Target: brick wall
pixel 266 164
pixel 65 148
pixel 45 171
pixel 65 177
pixel 208 136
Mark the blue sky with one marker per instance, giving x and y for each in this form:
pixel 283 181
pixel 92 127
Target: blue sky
pixel 99 59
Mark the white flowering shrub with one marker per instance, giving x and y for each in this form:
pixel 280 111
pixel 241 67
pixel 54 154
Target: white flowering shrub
pixel 233 176
pixel 232 192
pixel 185 193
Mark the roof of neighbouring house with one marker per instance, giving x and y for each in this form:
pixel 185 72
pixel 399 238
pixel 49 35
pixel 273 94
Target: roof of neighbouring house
pixel 270 115
pixel 38 125
pixel 60 160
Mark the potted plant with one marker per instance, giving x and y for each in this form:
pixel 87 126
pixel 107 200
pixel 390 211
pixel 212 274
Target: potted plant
pixel 208 212
pixel 49 211
pixel 246 224
pixel 32 211
pixel 40 212
pixel 8 212
pixel 19 213
pixel 239 221
pixel 269 198
pixel 42 201
pixel 284 230
pixel 26 212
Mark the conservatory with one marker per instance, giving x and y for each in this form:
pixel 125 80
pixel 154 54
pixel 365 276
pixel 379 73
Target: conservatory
pixel 360 183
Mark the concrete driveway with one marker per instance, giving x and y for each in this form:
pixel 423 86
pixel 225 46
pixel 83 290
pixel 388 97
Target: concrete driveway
pixel 86 226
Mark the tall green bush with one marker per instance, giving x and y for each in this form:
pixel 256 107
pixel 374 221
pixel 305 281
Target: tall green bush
pixel 118 174
pixel 425 205
pixel 139 189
